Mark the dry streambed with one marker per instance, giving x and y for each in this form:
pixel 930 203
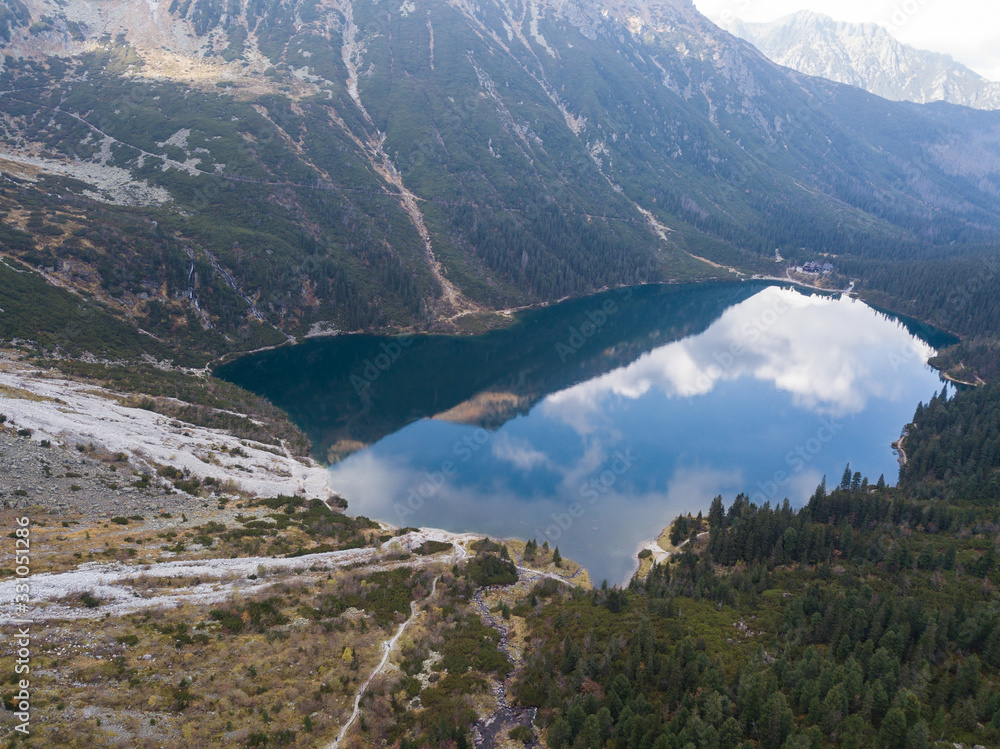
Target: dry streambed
pixel 78 455
pixel 126 588
pixel 68 413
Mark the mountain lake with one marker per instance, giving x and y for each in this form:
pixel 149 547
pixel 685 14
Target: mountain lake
pixel 592 423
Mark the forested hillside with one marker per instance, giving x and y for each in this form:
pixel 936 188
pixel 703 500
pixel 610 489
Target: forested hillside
pixel 867 619
pixel 190 180
pixel 224 175
pixel 953 449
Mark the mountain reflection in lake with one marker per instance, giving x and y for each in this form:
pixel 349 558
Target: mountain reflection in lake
pixel 593 423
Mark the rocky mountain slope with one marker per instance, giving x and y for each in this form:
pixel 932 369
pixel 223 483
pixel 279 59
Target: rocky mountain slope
pixel 867 56
pixel 227 174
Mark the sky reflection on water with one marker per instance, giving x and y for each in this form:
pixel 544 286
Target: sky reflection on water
pixel 780 390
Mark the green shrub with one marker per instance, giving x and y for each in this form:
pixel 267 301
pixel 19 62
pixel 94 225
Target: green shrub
pixel 492 570
pixel 255 615
pixel 524 734
pixel 427 548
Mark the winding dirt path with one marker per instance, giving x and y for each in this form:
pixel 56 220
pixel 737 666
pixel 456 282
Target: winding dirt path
pixel 900 449
pixel 121 588
pixel 387 648
pixel 660 554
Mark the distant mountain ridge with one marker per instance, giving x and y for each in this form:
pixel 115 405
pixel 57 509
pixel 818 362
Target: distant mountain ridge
pixel 866 55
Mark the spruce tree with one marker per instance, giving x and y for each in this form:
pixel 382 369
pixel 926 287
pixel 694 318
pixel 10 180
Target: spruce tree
pixel 845 482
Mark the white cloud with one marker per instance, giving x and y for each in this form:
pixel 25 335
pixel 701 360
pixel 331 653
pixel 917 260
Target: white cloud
pixel 518 452
pixel 831 355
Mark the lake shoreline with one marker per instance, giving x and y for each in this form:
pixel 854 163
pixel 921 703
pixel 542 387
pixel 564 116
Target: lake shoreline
pixel 509 316
pixel 398 419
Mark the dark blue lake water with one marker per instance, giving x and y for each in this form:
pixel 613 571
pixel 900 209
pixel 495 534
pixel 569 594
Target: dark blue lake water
pixel 593 423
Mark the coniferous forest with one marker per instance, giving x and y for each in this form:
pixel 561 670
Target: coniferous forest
pixel 869 618
pixel 209 178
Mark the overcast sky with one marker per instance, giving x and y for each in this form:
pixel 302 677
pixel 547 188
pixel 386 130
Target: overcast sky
pixel 968 30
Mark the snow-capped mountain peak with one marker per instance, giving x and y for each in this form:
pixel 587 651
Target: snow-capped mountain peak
pixel 866 55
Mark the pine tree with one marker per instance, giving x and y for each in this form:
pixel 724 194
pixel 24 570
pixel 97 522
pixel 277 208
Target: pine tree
pixel 679 531
pixel 557 558
pixel 716 514
pixel 892 734
pixel 845 482
pixel 530 549
pixel 949 557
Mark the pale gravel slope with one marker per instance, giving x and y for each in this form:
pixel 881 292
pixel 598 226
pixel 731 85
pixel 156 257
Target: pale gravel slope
pixel 73 413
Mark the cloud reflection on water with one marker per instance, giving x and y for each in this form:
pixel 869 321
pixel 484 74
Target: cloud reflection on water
pixel 711 414
pixel 832 364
